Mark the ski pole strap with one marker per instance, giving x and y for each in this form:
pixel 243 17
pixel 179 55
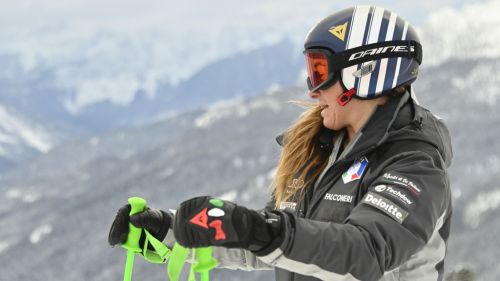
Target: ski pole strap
pixel 203 263
pixel 161 252
pixel 177 260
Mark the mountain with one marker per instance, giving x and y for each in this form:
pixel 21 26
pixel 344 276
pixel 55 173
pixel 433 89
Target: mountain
pixel 36 97
pixel 65 200
pixel 178 158
pixel 76 84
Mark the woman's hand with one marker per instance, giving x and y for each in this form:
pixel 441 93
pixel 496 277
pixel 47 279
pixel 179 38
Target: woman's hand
pixel 156 222
pixel 205 221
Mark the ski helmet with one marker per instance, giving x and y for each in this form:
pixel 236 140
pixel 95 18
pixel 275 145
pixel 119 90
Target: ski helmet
pixel 371 50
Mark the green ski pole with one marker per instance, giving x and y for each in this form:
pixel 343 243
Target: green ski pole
pixel 137 205
pixel 205 262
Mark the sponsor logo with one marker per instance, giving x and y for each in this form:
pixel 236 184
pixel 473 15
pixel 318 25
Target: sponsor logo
pixel 386 206
pixel 338 197
pixel 296 184
pixel 394 193
pixel 380 188
pixel 288 205
pixel 403 182
pixel 355 171
pixel 381 50
pixel 339 31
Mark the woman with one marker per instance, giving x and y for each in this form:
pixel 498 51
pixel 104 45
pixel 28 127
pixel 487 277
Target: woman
pixel 361 190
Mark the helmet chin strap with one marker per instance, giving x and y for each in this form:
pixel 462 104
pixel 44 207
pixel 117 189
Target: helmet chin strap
pixel 346 97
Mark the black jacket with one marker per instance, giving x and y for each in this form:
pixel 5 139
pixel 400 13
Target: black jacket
pixel 380 211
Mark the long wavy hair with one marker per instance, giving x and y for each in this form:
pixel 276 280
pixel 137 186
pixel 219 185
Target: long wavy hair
pixel 301 160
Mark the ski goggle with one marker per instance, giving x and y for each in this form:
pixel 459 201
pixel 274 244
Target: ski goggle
pixel 320 70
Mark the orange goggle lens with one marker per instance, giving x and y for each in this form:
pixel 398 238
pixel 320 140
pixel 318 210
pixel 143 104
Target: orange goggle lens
pixel 317 68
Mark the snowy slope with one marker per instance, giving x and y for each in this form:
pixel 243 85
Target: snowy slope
pixel 20 139
pixel 15 131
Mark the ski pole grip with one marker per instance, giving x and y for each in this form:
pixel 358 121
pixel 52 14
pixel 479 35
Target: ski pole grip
pixel 137 205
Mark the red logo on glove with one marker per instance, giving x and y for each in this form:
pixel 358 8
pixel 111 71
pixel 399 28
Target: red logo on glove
pixel 200 219
pixel 219 233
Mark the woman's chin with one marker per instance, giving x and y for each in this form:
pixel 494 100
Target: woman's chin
pixel 328 124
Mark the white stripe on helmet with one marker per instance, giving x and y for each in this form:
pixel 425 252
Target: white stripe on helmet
pixel 383 63
pixel 356 34
pixel 373 34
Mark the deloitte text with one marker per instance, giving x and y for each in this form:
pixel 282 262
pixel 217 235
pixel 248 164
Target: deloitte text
pixel 385 205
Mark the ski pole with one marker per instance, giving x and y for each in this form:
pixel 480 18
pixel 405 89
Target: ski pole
pixel 137 205
pixel 205 262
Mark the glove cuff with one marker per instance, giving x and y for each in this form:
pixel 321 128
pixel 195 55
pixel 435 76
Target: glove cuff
pixel 274 225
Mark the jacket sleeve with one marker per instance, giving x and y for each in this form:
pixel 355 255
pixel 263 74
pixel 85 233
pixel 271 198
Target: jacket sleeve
pixel 402 208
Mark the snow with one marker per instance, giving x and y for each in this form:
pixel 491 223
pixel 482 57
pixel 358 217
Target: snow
pixel 483 203
pixel 14 131
pixel 461 34
pixel 488 166
pixel 235 108
pixel 486 75
pixel 119 90
pixel 13 193
pixel 238 162
pixel 260 182
pixel 216 112
pixel 229 196
pixel 31 197
pixel 40 233
pixel 94 141
pixel 24 196
pixel 168 172
pixel 4 245
pixel 271 174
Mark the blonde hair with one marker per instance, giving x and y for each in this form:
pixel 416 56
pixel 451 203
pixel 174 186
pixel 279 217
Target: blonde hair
pixel 300 155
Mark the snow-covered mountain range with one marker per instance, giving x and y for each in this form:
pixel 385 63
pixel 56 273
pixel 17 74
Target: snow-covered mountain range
pixel 87 77
pixel 65 200
pixel 58 206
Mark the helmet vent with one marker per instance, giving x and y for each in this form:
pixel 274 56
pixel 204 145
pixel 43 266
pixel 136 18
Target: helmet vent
pixel 365 69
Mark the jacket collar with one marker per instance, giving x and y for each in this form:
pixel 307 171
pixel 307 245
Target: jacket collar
pixel 396 113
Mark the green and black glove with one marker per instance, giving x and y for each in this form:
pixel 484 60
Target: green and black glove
pixel 157 222
pixel 206 221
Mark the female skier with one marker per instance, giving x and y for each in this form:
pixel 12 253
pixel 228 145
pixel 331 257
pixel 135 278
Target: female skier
pixel 361 190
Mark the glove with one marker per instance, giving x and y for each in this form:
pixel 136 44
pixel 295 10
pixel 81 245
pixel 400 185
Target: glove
pixel 156 222
pixel 205 221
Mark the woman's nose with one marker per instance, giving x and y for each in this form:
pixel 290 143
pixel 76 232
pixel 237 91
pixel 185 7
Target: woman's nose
pixel 313 95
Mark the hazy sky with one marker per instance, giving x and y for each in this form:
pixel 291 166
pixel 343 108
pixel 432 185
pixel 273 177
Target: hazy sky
pixel 34 14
